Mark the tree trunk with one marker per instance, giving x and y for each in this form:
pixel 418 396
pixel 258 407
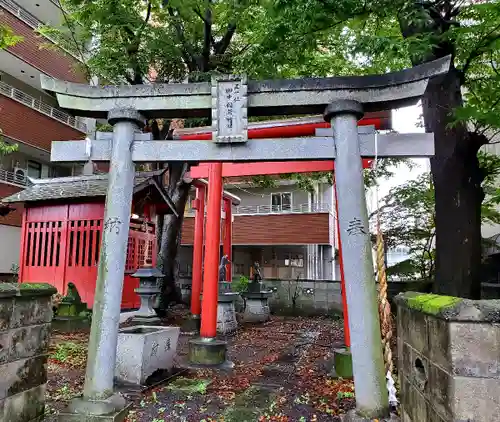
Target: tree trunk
pixel 455 169
pixel 169 227
pixel 171 238
pixel 457 182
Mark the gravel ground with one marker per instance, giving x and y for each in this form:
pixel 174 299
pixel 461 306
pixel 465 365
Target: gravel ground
pixel 280 374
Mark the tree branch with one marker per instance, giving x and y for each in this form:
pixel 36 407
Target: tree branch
pixel 492 62
pixel 487 40
pixel 73 37
pixel 198 12
pixel 207 38
pixel 221 46
pixel 186 51
pixel 148 15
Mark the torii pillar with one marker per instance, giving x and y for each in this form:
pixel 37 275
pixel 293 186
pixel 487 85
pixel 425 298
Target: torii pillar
pixel 227 248
pixel 207 348
pixel 99 398
pixel 199 229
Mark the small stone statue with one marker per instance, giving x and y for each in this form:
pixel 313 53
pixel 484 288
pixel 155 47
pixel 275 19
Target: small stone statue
pixel 255 285
pixel 257 274
pixel 72 295
pixel 70 305
pixel 222 268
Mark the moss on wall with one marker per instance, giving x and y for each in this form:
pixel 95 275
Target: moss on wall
pixel 431 303
pixel 24 286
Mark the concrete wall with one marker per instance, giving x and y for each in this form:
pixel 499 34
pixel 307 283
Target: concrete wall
pixel 28 89
pixel 255 196
pixel 25 315
pixel 311 297
pixel 260 196
pixel 11 241
pixel 448 358
pixel 18 159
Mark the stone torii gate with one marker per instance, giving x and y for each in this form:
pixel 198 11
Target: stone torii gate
pixel 228 100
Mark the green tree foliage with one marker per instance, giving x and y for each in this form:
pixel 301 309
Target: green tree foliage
pixel 408 218
pixel 7 39
pixel 307 181
pixel 181 39
pixel 461 108
pixel 137 41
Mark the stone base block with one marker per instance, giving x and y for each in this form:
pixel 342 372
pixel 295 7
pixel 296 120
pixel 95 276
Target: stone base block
pixel 353 416
pixel 113 409
pixel 208 353
pixel 66 309
pixel 226 314
pixel 342 363
pixel 146 320
pixel 191 325
pixel 70 324
pixel 118 416
pixel 256 307
pixel 142 350
pixel 25 406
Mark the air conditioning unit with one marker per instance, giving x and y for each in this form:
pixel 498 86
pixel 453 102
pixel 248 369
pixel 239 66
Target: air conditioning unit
pixel 20 174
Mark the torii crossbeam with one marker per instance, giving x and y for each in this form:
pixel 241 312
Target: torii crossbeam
pixel 229 100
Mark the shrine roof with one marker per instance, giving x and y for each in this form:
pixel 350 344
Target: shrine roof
pixel 86 186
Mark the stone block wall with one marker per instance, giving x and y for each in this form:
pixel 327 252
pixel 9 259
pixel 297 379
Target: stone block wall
pixel 448 358
pixel 313 297
pixel 25 316
pixel 318 297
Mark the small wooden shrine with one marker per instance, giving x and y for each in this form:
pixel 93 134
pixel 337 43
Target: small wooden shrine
pixel 62 230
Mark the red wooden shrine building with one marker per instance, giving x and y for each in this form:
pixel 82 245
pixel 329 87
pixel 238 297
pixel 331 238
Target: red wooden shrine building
pixel 62 229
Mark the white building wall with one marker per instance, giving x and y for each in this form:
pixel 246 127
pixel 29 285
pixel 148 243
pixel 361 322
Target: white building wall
pixel 251 196
pixel 11 240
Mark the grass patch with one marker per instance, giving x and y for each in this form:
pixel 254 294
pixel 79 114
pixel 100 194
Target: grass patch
pixel 248 406
pixel 69 353
pixel 188 385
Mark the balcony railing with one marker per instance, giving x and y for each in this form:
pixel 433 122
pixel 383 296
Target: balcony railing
pixel 281 209
pixel 32 21
pixel 276 209
pixel 13 178
pixel 43 108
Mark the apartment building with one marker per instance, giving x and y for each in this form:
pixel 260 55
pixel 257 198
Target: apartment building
pixel 292 233
pixel 29 117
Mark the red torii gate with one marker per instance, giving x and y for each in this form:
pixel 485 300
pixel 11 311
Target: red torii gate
pixel 215 172
pixel 199 228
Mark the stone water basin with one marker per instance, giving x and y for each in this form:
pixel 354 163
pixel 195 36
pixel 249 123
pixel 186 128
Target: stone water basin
pixel 142 350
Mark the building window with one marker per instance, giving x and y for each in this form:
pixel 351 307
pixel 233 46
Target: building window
pixel 281 201
pixel 239 269
pixel 294 261
pixel 34 169
pixel 59 172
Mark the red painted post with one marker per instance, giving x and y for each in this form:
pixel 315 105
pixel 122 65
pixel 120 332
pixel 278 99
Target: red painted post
pixel 22 252
pixel 199 225
pixel 228 238
pixel 347 336
pixel 212 252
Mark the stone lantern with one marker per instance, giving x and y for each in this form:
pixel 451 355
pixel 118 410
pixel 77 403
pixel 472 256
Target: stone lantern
pixel 147 291
pixel 227 323
pixel 256 299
